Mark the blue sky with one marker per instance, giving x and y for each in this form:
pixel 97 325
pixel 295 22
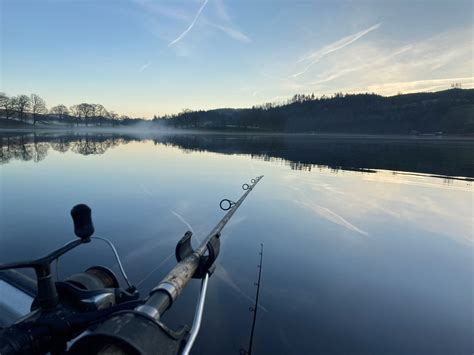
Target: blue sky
pixel 143 57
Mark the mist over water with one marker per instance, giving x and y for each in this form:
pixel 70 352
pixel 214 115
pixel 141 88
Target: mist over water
pixel 368 241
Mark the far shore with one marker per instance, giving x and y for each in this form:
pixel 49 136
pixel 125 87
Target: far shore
pixel 147 132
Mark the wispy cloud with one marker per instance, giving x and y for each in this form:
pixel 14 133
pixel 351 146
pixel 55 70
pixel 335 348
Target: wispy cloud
pixel 231 32
pixel 182 35
pixel 222 11
pixel 386 67
pixel 368 62
pixel 315 56
pixel 224 23
pixel 144 66
pixel 215 16
pixel 162 10
pixel 420 85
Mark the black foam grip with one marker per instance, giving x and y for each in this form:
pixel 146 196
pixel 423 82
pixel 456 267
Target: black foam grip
pixel 81 216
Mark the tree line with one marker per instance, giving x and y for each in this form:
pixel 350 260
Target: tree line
pixel 448 111
pixel 33 109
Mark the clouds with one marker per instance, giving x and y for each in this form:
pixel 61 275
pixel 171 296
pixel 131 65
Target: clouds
pixel 144 66
pixel 429 64
pixel 182 35
pixel 315 56
pixel 380 64
pixel 420 85
pixel 369 55
pixel 210 16
pixel 231 32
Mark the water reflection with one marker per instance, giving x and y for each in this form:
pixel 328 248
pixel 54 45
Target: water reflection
pixel 438 157
pixel 355 262
pixel 35 147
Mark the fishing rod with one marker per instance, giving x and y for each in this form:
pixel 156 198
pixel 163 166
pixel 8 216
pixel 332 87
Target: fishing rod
pixel 255 307
pixel 90 313
pixel 192 263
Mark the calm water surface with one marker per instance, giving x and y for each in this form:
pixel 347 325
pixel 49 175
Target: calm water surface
pixel 366 251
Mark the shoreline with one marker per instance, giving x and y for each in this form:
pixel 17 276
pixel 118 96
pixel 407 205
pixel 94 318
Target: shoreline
pixel 156 132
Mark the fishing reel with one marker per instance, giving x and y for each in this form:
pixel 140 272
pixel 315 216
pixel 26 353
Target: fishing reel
pixel 92 314
pixel 62 309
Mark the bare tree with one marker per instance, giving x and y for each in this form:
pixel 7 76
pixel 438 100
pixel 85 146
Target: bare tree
pixel 6 104
pixel 60 111
pixel 38 106
pixel 21 104
pixel 76 112
pixel 87 111
pixel 113 117
pixel 99 112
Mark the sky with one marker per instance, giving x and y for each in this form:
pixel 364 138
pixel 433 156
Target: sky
pixel 143 58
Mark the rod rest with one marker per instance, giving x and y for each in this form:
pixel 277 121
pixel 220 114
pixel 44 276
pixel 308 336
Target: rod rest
pixel 207 262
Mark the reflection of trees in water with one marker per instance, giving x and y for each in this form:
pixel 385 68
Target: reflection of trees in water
pixel 19 148
pixel 33 147
pixel 40 151
pixel 441 158
pixel 87 146
pixel 61 145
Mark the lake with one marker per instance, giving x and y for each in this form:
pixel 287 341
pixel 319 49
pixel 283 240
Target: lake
pixel 368 243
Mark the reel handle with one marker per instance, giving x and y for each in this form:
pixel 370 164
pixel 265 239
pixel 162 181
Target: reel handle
pixel 83 226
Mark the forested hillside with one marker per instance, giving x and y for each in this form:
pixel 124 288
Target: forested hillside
pixel 450 111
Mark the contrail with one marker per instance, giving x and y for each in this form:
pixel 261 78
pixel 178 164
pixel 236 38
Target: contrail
pixel 231 32
pixel 343 42
pixel 181 36
pixel 144 66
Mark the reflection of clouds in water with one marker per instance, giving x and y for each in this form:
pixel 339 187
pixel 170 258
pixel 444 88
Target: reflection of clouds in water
pixel 252 168
pixel 417 180
pixel 149 246
pixel 324 212
pixel 165 260
pixel 236 220
pixel 421 203
pixel 402 201
pixel 429 214
pixel 222 274
pixel 145 190
pixel 181 218
pixel 332 216
pixel 326 188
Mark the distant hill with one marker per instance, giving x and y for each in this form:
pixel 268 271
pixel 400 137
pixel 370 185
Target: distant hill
pixel 450 111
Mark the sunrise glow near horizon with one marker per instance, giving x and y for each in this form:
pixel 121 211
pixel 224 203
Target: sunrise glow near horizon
pixel 143 58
